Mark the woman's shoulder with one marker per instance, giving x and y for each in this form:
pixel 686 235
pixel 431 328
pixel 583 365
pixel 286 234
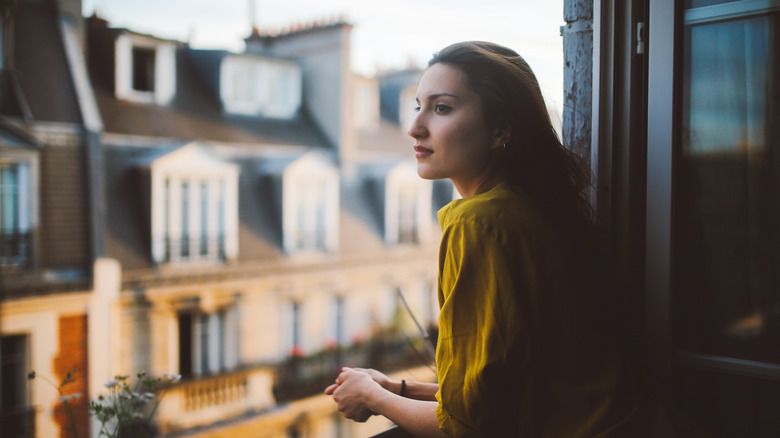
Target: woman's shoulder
pixel 502 206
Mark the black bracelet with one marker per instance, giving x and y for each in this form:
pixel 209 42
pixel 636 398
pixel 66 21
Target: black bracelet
pixel 403 387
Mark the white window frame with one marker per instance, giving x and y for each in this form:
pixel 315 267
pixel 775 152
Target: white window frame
pixel 366 107
pixel 312 168
pixel 401 175
pixel 222 331
pixel 193 164
pixel 273 87
pixel 29 180
pixel 164 69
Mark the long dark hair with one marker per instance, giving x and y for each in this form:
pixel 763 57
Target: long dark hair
pixel 534 158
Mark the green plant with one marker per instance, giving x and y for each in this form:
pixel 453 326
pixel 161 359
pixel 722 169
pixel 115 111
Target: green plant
pixel 126 410
pixel 64 398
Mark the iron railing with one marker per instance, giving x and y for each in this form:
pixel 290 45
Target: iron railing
pixel 15 249
pixel 302 376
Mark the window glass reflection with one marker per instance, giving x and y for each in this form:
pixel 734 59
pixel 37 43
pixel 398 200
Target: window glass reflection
pixel 728 190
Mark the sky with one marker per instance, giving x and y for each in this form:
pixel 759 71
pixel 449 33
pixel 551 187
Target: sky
pixel 386 34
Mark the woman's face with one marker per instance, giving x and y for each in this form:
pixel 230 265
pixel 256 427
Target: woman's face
pixel 452 138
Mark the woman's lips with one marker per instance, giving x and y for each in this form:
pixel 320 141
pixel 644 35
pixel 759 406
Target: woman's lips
pixel 421 152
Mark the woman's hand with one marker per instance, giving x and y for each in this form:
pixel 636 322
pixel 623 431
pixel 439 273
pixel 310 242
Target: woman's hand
pixel 380 378
pixel 383 381
pixel 353 392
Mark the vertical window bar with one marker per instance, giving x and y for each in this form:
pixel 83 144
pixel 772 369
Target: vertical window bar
pixel 204 218
pixel 185 220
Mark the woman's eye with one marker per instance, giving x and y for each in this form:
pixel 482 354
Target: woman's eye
pixel 441 108
pixel 417 109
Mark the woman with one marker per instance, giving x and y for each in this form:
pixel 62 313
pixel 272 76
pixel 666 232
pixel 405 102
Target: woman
pixel 523 346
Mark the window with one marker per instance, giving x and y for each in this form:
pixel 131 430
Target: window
pixel 310 205
pixel 335 335
pixel 196 238
pixel 18 210
pixel 310 215
pixel 408 201
pixel 407 213
pixel 260 86
pixel 16 416
pixel 292 328
pixel 194 206
pixel 728 182
pixel 207 341
pixel 145 69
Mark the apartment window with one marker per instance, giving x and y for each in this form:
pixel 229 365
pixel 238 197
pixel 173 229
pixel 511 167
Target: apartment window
pixel 143 68
pixel 310 215
pixel 407 203
pixel 207 341
pixel 407 213
pixel 260 86
pixel 727 188
pixel 310 205
pixel 16 216
pixel 194 206
pixel 196 238
pixel 17 418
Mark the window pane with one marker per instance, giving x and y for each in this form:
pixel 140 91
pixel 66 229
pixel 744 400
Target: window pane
pixel 204 218
pixel 143 69
pixel 204 344
pixel 9 198
pixel 166 221
pixel 407 213
pixel 727 236
pixel 699 3
pixel 185 220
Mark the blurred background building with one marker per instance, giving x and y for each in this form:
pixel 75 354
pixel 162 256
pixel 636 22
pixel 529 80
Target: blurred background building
pixel 242 219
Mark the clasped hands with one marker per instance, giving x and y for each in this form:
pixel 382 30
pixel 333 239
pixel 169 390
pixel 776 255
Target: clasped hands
pixel 354 390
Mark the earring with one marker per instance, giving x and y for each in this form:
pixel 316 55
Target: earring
pixel 504 146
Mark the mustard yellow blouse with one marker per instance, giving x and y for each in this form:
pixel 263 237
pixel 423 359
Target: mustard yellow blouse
pixel 511 360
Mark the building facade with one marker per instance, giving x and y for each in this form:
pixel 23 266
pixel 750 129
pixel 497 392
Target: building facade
pixel 245 220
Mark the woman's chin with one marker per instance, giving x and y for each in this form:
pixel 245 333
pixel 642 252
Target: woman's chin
pixel 425 173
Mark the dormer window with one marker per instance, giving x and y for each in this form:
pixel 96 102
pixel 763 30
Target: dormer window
pixel 258 86
pixel 408 203
pixel 145 69
pixel 18 207
pixel 310 205
pixel 194 206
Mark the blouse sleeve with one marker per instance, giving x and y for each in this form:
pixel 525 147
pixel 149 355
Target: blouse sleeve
pixel 483 348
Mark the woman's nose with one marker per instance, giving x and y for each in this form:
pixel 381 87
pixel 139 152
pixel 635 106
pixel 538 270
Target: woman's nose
pixel 417 128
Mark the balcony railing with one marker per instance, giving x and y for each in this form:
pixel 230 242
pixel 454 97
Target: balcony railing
pixel 302 376
pixel 181 249
pixel 207 400
pixel 15 249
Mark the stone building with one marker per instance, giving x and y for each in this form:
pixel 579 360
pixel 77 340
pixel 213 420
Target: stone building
pixel 242 219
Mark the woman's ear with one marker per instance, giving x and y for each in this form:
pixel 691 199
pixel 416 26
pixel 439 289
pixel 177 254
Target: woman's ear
pixel 501 136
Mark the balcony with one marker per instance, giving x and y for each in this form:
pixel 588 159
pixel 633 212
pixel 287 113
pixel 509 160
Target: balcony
pixel 15 249
pixel 303 376
pixel 208 400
